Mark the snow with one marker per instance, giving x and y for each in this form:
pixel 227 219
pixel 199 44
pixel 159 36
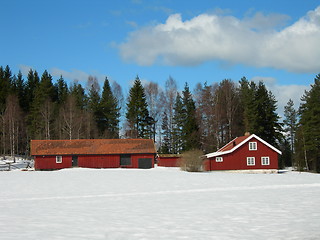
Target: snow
pixel 160 203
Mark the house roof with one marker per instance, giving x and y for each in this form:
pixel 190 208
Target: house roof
pixel 92 146
pixel 238 142
pixel 170 155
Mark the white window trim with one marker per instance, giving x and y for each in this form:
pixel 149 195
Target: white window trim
pixel 58 159
pixel 249 163
pixel 266 162
pixel 253 146
pixel 219 159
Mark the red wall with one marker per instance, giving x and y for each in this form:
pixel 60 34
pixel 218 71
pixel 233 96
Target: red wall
pixel 88 161
pixel 168 161
pixel 237 160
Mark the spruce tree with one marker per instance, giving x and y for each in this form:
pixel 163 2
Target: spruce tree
pixel 78 93
pixel 42 109
pixel 109 118
pixel 137 110
pixel 310 125
pixel 191 137
pixel 94 98
pixel 62 90
pixel 178 125
pixel 30 91
pixel 290 127
pixel 165 144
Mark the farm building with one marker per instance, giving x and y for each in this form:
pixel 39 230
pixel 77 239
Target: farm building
pixel 247 152
pixel 169 160
pixel 93 153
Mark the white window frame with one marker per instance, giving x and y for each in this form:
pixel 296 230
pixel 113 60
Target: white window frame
pixel 253 146
pixel 251 161
pixel 265 161
pixel 219 159
pixel 58 159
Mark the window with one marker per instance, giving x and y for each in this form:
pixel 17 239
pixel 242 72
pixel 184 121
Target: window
pixel 58 159
pixel 252 146
pixel 265 161
pixel 219 159
pixel 125 160
pixel 251 161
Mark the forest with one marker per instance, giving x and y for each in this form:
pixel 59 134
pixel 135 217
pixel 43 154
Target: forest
pixel 206 118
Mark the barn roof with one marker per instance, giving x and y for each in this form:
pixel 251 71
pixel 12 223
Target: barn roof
pixel 238 142
pixel 92 146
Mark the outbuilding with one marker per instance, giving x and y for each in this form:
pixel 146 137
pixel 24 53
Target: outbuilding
pixel 248 152
pixel 93 153
pixel 169 160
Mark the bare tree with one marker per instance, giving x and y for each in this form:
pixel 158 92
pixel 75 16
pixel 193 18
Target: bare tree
pixel 13 123
pixel 154 97
pixel 47 111
pixel 71 118
pixel 169 99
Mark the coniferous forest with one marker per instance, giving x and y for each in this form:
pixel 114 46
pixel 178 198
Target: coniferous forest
pixel 40 107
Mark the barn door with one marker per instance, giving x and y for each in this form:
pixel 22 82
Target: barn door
pixel 74 161
pixel 145 163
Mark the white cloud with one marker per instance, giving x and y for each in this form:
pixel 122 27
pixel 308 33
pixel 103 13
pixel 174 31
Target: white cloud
pixel 72 75
pixel 253 41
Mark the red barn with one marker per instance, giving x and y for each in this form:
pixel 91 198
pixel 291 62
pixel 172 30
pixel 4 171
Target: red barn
pixel 244 153
pixel 169 160
pixel 93 153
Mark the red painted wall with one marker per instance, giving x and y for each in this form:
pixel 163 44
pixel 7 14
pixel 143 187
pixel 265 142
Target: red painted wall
pixel 99 161
pixel 237 160
pixel 168 161
pixel 88 161
pixel 49 162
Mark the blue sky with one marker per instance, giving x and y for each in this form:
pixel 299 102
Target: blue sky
pixel 192 41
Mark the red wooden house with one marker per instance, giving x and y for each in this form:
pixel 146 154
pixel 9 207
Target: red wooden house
pixel 169 160
pixel 93 153
pixel 244 153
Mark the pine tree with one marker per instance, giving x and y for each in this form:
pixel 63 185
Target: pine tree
pixel 5 86
pixel 191 137
pixel 290 123
pixel 62 90
pixel 137 111
pixel 42 109
pixel 165 144
pixel 30 91
pixel 109 119
pixel 259 111
pixel 178 124
pixel 94 99
pixel 78 92
pixel 310 125
pixel 267 124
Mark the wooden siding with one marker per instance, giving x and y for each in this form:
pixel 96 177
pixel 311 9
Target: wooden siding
pixel 88 161
pixel 168 161
pixel 237 160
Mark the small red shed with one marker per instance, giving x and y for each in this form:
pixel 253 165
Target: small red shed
pixel 247 152
pixel 93 153
pixel 169 160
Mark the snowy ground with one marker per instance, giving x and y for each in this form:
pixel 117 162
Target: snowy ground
pixel 159 203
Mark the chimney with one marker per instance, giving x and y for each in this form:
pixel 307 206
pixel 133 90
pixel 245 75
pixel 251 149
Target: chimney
pixel 247 134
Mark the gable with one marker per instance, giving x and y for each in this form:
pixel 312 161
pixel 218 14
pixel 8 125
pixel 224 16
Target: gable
pixel 237 143
pixel 92 146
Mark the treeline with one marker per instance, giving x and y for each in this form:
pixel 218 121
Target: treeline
pixel 206 119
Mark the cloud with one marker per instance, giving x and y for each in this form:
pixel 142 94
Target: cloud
pixel 283 93
pixel 253 41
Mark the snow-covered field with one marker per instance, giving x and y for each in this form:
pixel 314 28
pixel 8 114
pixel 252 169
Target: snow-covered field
pixel 160 203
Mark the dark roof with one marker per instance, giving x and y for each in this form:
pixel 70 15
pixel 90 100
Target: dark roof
pixel 233 143
pixel 92 146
